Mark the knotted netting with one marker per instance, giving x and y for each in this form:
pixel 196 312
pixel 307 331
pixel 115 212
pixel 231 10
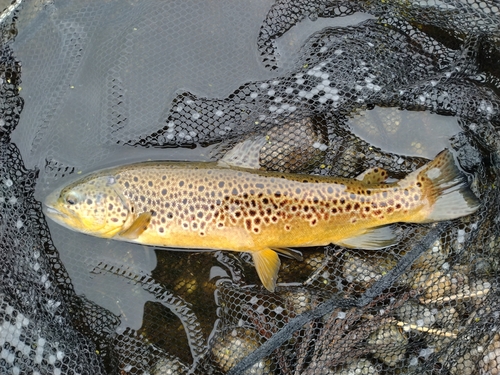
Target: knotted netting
pixel 336 87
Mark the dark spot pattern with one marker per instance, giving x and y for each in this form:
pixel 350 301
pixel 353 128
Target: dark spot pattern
pixel 205 200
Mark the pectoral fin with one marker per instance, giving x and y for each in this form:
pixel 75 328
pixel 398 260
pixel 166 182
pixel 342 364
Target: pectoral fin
pixel 138 226
pixel 373 176
pixel 267 264
pixel 371 239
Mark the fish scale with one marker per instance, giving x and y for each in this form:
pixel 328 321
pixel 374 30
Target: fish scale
pixel 211 199
pixel 217 206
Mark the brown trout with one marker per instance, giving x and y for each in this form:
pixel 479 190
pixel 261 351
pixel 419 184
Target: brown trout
pixel 207 205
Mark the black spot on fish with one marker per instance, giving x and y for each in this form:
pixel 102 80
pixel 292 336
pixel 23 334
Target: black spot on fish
pixel 164 192
pixel 181 183
pixel 150 183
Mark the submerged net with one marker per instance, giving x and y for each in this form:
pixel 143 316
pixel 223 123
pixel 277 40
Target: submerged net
pixel 89 84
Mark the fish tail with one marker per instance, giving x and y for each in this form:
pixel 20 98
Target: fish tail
pixel 446 189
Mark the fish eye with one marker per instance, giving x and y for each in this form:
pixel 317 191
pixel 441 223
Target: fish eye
pixel 71 199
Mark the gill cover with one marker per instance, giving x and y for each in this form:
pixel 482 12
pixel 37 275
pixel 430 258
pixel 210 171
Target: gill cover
pixel 90 205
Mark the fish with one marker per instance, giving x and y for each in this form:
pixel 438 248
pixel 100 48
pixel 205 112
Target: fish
pixel 229 205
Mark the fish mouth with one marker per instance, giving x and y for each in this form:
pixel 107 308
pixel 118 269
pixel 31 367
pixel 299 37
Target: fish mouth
pixel 54 212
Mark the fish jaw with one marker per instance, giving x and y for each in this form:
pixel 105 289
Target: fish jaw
pixel 54 214
pixel 58 217
pixel 50 210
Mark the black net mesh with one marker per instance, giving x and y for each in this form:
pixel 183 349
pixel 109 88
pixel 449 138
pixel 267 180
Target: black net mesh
pixel 336 88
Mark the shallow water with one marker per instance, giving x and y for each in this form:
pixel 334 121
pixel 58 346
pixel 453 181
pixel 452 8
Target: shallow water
pixel 73 140
pixel 210 61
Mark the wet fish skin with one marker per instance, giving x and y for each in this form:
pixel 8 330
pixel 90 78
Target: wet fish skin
pixel 214 206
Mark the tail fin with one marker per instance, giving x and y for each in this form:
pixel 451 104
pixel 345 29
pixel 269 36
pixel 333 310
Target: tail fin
pixel 447 189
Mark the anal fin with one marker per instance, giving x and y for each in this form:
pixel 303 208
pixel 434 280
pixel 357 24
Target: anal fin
pixel 290 253
pixel 372 239
pixel 267 264
pixel 138 226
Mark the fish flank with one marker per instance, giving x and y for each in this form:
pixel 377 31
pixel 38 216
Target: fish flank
pixel 207 206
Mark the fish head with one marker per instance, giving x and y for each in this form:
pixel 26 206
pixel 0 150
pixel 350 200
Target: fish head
pixel 91 205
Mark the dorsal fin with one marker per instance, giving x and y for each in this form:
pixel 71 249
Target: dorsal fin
pixel 138 226
pixel 373 176
pixel 245 154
